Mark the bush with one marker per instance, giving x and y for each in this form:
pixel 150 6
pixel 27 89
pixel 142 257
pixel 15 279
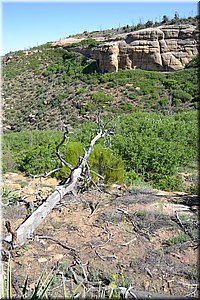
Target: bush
pixel 73 151
pixel 181 95
pixel 37 160
pixel 103 162
pixel 154 146
pixel 168 182
pixel 101 98
pixel 132 96
pixel 86 42
pixel 194 63
pixel 32 152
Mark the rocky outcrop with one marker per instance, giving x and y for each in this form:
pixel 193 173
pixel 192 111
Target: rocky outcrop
pixel 164 48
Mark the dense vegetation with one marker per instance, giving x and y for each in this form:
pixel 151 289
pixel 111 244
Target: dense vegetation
pixel 146 147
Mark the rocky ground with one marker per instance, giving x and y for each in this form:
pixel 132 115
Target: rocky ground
pixel 121 237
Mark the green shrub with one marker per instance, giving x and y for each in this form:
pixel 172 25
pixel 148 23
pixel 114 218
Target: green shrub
pixel 101 98
pixel 81 90
pixel 111 84
pixel 8 162
pixel 9 196
pixel 86 42
pixel 154 146
pixel 127 107
pixel 194 63
pixel 133 178
pixel 103 162
pixel 73 151
pixel 37 160
pixel 91 107
pixel 32 152
pixel 181 95
pixel 167 182
pixel 163 102
pixel 33 64
pixel 132 96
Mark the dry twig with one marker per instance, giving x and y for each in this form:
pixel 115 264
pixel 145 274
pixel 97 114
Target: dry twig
pixel 179 222
pixel 12 232
pixel 57 242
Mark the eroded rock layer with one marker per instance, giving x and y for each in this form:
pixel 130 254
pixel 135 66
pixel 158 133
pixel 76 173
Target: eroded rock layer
pixel 164 48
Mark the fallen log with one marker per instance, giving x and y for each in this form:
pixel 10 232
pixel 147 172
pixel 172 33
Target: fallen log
pixel 26 229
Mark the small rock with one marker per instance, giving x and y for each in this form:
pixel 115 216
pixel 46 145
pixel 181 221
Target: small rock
pixel 42 260
pixel 31 198
pixel 51 247
pixel 28 190
pixel 32 285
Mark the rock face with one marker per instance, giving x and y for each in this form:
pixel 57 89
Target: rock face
pixel 164 48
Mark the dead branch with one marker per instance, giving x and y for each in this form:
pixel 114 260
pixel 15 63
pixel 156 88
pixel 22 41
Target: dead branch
pixel 87 179
pixel 128 243
pixel 12 232
pixel 123 211
pixel 108 240
pixel 105 257
pixel 179 222
pixel 131 293
pixel 148 272
pixel 77 279
pixel 45 174
pixel 82 267
pixel 101 257
pixel 93 207
pixel 63 162
pixel 105 243
pixel 57 242
pixel 135 225
pixel 192 293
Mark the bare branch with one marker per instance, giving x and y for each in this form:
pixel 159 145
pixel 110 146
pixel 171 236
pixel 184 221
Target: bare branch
pixel 45 174
pixel 83 269
pixel 63 162
pixel 57 242
pixel 179 222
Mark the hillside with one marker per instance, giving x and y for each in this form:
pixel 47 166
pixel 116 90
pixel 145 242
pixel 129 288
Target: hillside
pixel 47 86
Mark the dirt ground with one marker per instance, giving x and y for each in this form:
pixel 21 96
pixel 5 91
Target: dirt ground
pixel 136 237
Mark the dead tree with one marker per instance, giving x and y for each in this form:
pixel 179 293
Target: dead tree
pixel 26 229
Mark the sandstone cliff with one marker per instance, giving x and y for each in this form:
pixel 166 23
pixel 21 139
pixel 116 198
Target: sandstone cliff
pixel 164 48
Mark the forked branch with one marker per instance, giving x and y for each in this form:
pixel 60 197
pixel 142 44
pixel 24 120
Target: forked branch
pixel 63 162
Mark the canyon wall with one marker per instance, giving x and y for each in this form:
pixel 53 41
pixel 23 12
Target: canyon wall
pixel 163 48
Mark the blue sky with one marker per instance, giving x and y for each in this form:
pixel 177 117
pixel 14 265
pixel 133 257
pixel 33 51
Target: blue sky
pixel 27 24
